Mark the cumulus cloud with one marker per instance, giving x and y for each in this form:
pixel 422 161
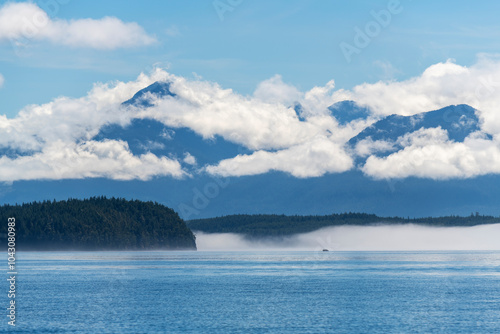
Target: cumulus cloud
pixel 429 154
pixel 189 159
pixel 274 90
pixel 319 98
pixel 311 159
pixel 109 159
pixel 266 124
pixel 367 147
pixel 54 140
pixel 21 22
pixel 210 110
pixel 71 119
pixel 440 85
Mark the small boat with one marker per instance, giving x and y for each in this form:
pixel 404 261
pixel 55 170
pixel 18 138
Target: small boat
pixel 325 250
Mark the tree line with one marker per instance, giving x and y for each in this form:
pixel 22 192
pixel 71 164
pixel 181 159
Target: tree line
pixel 281 225
pixel 97 223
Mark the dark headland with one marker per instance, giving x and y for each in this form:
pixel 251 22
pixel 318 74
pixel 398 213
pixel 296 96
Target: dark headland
pixel 97 223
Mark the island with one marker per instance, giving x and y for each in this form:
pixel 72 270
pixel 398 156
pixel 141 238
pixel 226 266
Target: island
pixel 97 223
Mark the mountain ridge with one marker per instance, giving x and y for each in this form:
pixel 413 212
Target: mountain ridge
pixel 458 120
pixel 201 195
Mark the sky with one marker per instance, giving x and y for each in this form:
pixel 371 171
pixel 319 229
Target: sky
pixel 240 43
pixel 236 69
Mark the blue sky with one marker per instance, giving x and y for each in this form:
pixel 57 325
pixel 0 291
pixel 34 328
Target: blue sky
pixel 298 39
pixel 236 70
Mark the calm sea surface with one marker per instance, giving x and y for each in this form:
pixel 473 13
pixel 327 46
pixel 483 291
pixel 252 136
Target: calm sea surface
pixel 256 292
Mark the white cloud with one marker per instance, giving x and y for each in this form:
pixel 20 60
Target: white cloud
pixel 21 22
pixel 439 86
pixel 265 123
pixel 152 145
pixel 109 159
pixel 210 110
pixel 55 138
pixel 429 154
pixel 2 80
pixel 368 147
pixel 274 90
pixel 319 98
pixel 189 159
pixel 314 158
pixel 70 119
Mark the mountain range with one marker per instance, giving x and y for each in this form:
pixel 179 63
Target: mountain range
pixel 202 195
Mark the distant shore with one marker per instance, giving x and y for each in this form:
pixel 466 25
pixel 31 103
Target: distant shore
pixel 259 226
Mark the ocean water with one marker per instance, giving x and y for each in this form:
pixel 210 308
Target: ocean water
pixel 256 292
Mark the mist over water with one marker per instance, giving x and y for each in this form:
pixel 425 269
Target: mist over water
pixel 407 237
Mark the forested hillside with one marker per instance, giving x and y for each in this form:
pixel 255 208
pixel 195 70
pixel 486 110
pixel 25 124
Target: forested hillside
pixel 281 225
pixel 97 224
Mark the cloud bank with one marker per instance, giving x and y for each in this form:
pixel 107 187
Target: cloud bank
pixel 54 140
pixel 24 21
pixel 363 238
pixel 429 154
pixel 314 158
pixel 285 129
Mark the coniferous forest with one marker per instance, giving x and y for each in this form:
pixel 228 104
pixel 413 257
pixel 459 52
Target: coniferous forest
pixel 281 225
pixel 97 223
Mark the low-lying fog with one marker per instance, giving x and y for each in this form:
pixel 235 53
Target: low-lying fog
pixel 353 238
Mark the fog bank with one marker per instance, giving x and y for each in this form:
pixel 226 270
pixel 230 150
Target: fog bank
pixel 406 237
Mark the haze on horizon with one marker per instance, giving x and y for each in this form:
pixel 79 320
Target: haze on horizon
pixel 406 237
